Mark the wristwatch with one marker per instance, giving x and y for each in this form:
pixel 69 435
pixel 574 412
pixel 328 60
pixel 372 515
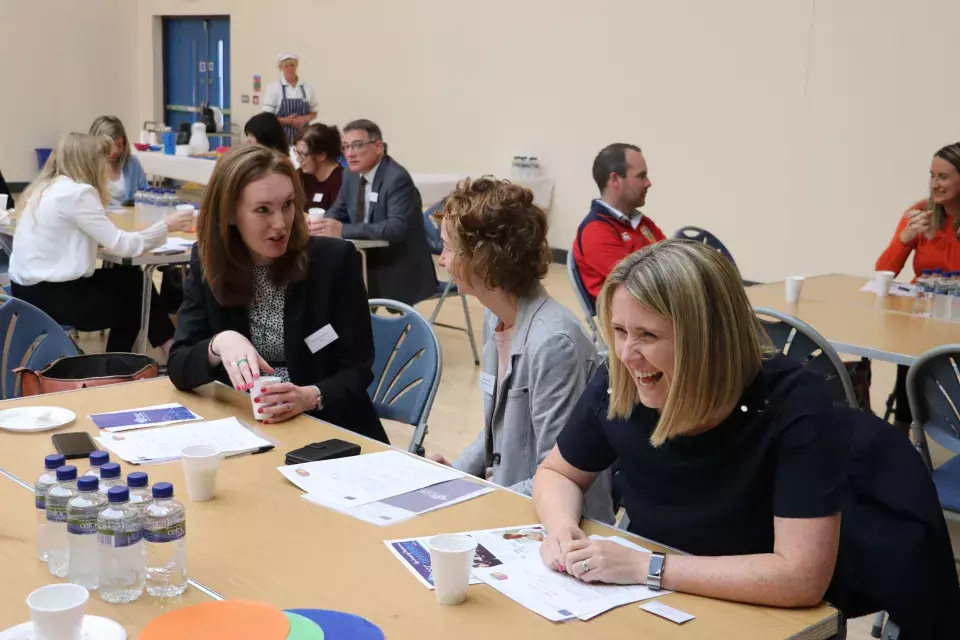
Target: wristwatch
pixel 319 405
pixel 655 572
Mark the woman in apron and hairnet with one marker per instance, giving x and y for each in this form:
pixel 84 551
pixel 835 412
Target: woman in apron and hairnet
pixel 292 101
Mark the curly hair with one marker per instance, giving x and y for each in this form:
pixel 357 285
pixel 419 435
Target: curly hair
pixel 500 234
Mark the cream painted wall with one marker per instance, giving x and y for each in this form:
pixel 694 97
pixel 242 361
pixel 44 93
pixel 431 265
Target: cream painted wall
pixel 63 63
pixel 796 130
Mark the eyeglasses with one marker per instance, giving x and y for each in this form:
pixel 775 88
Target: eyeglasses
pixel 356 146
pixel 301 154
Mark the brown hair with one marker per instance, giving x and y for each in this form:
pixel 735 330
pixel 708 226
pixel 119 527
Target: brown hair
pixel 226 260
pixel 500 234
pixel 950 153
pixel 719 345
pixel 321 138
pixel 112 127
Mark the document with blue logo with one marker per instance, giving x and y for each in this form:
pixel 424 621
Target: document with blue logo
pixel 143 417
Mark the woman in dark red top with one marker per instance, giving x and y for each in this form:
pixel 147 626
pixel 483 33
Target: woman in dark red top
pixel 317 150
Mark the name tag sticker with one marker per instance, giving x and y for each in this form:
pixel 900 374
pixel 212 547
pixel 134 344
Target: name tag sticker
pixel 374 196
pixel 320 338
pixel 668 612
pixel 317 197
pixel 487 382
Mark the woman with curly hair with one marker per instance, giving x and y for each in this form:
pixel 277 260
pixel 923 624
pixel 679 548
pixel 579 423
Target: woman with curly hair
pixel 536 358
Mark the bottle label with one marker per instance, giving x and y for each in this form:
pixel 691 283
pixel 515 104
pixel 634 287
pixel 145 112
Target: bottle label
pixel 56 514
pixel 118 539
pixel 82 525
pixel 167 532
pixel 40 500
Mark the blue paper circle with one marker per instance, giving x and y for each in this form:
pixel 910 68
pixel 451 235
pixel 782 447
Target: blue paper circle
pixel 338 625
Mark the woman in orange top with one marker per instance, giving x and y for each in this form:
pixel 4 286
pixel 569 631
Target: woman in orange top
pixel 931 231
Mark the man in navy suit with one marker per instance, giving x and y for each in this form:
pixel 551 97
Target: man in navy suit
pixel 378 201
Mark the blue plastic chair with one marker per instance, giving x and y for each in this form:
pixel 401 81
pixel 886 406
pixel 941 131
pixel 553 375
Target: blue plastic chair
pixel 696 234
pixel 583 297
pixel 933 390
pixel 406 368
pixel 29 338
pixel 445 289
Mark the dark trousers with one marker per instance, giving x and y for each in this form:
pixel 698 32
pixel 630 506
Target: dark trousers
pixel 901 412
pixel 109 299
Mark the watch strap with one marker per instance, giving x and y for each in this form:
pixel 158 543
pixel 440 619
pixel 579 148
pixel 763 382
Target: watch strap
pixel 655 573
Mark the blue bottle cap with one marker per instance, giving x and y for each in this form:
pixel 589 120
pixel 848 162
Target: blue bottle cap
pixel 118 494
pixel 66 472
pixel 926 272
pixel 162 491
pixel 98 458
pixel 137 479
pixel 110 470
pixel 88 483
pixel 54 461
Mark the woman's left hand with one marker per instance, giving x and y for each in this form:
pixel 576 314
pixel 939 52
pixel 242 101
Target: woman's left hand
pixel 605 561
pixel 285 400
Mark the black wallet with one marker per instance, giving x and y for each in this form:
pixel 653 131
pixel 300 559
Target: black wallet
pixel 326 450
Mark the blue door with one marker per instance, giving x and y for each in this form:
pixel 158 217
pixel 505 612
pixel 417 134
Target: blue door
pixel 196 70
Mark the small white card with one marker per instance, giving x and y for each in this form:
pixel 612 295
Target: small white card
pixel 374 196
pixel 317 197
pixel 666 611
pixel 320 338
pixel 487 382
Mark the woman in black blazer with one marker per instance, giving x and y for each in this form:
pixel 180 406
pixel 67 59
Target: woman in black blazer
pixel 263 297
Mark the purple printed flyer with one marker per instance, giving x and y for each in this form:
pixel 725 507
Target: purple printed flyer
pixel 143 417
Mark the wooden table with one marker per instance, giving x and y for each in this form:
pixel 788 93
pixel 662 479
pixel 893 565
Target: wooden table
pixel 259 540
pixel 860 323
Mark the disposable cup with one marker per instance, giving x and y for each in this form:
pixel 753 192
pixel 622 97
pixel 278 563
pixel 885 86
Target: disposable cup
pixel 884 280
pixel 258 385
pixel 451 559
pixel 56 611
pixel 200 465
pixel 793 286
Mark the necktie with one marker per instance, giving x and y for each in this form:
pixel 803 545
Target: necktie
pixel 362 201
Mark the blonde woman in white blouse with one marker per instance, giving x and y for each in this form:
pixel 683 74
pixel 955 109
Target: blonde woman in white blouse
pixel 62 220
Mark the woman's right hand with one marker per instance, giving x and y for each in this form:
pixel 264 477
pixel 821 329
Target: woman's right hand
pixel 556 546
pixel 918 222
pixel 179 221
pixel 241 360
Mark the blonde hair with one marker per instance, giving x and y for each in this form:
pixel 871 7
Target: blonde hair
pixel 112 127
pixel 289 62
pixel 719 344
pixel 80 157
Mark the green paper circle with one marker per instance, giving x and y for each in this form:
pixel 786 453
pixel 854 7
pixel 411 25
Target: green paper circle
pixel 303 628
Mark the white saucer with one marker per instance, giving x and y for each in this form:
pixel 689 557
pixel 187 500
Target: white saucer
pixel 35 418
pixel 94 628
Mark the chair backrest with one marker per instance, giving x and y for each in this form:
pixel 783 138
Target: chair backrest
pixel 586 304
pixel 6 244
pixel 406 365
pixel 433 233
pixel 28 338
pixel 933 390
pixel 800 342
pixel 705 237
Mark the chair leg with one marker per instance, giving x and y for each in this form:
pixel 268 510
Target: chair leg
pixel 416 442
pixel 891 399
pixel 473 341
pixel 443 296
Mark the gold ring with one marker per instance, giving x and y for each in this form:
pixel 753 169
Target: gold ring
pixel 583 566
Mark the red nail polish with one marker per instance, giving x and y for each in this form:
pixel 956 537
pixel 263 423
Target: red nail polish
pixel 256 399
pixel 260 410
pixel 264 390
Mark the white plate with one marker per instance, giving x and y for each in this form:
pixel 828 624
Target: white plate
pixel 94 628
pixel 35 418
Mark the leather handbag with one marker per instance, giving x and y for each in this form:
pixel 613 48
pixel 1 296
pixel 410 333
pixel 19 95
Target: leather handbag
pixel 81 372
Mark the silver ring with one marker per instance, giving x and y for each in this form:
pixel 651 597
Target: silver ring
pixel 233 364
pixel 583 566
pixel 241 360
pixel 286 407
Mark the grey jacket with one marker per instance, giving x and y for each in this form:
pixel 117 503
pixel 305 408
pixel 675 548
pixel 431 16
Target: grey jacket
pixel 551 361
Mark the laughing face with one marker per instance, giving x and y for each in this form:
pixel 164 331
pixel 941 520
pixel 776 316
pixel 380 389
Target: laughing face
pixel 643 341
pixel 264 217
pixel 944 181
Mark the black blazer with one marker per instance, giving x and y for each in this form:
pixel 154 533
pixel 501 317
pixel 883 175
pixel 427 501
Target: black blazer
pixel 404 270
pixel 332 293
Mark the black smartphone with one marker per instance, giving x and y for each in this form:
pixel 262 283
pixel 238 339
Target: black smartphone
pixel 74 445
pixel 326 450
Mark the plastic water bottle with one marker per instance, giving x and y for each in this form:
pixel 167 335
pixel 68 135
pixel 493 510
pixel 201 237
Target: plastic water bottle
pixel 122 554
pixel 165 531
pixel 139 485
pixel 58 549
pixel 82 511
pixel 923 302
pixel 942 285
pixel 110 477
pixel 97 460
pixel 46 480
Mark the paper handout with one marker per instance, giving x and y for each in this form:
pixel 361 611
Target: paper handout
pixel 166 443
pixel 143 417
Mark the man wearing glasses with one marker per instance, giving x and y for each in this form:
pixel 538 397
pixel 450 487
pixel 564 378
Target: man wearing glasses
pixel 378 201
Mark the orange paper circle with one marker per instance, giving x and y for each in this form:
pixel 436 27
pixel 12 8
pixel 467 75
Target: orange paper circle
pixel 234 619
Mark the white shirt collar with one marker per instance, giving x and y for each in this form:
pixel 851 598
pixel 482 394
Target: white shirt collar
pixel 369 175
pixel 634 219
pixel 283 81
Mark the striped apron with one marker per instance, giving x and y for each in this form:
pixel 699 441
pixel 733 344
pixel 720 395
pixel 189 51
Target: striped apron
pixel 292 107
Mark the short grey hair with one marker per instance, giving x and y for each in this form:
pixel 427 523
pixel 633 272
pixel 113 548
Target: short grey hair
pixel 369 126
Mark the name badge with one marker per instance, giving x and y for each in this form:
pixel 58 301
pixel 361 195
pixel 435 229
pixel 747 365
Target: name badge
pixel 320 338
pixel 487 382
pixel 374 196
pixel 317 197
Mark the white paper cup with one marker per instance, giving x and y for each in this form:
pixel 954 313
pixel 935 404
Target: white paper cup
pixel 451 559
pixel 200 465
pixel 257 391
pixel 884 280
pixel 182 151
pixel 793 286
pixel 144 137
pixel 315 214
pixel 3 201
pixel 56 611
